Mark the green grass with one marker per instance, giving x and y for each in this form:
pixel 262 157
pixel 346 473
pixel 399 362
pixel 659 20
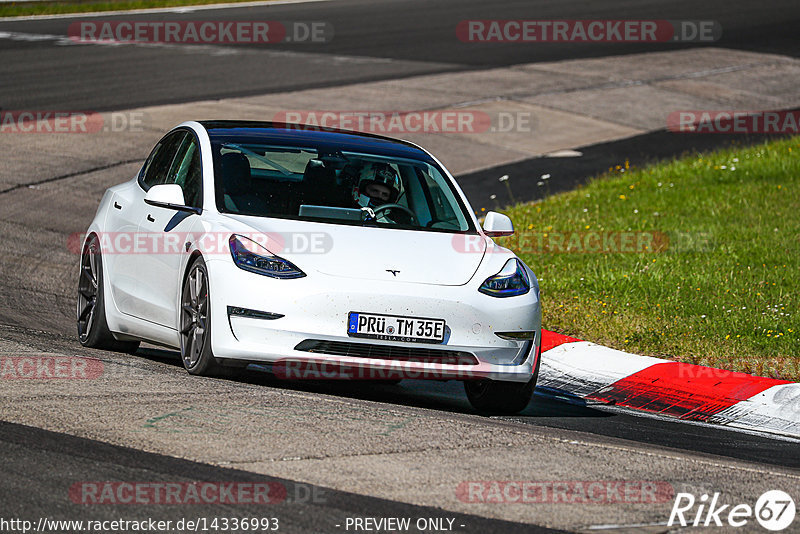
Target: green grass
pixel 722 291
pixel 18 9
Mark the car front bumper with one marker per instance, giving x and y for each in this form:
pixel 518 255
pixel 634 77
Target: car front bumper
pixel 313 312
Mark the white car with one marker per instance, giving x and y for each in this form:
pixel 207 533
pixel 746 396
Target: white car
pixel 337 253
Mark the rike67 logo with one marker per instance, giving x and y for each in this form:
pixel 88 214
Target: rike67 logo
pixel 774 510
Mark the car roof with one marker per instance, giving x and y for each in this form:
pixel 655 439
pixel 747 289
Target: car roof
pixel 315 136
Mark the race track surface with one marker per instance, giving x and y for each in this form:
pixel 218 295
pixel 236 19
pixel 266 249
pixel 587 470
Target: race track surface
pixel 370 449
pixel 414 443
pixel 372 41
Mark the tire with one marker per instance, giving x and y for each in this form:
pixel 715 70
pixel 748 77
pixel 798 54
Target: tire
pixel 93 329
pixel 195 324
pixel 499 397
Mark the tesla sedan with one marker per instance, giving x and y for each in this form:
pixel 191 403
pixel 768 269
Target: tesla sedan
pixel 318 253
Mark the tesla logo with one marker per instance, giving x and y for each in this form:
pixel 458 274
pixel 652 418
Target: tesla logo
pixel 393 271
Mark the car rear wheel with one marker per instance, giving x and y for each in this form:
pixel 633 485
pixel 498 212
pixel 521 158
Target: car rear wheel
pixel 499 397
pixel 93 329
pixel 196 353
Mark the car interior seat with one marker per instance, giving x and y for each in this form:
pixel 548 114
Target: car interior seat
pixel 321 188
pixel 238 188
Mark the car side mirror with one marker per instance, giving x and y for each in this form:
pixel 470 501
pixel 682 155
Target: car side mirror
pixel 497 225
pixel 168 196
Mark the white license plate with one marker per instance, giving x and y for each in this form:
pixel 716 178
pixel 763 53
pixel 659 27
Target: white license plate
pixel 395 327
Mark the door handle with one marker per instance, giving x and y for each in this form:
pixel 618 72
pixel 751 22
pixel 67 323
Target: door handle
pixel 116 205
pixel 150 218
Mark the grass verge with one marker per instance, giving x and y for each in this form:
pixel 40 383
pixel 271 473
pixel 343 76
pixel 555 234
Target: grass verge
pixel 695 260
pixel 19 9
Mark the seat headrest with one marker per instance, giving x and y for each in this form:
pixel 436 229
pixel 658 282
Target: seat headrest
pixel 318 174
pixel 236 177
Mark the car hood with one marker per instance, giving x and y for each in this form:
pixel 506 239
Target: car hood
pixel 370 253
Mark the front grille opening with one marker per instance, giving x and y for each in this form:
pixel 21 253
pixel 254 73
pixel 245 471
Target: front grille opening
pixel 387 352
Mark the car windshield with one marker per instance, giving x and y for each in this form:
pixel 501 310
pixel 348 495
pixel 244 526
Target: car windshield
pixel 341 187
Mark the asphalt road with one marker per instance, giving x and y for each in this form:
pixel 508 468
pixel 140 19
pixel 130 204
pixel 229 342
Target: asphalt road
pixel 567 173
pixel 545 411
pixel 41 69
pixel 30 455
pixel 335 434
pixel 361 449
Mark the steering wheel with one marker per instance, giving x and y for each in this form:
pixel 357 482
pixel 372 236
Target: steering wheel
pixel 399 207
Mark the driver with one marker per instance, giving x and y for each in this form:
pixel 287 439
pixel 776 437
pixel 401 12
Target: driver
pixel 381 187
pixel 378 193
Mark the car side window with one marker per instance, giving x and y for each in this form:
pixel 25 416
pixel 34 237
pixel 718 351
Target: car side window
pixel 186 171
pixel 161 158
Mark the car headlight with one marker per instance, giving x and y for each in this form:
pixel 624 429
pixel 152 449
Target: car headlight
pixel 512 280
pixel 250 256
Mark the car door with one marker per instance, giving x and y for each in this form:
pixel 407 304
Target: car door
pixel 160 283
pixel 123 245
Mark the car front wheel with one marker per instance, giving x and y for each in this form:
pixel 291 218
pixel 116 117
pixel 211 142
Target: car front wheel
pixel 195 322
pixel 499 397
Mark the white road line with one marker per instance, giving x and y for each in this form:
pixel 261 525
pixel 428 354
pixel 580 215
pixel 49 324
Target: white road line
pixel 63 40
pixel 175 9
pixel 209 49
